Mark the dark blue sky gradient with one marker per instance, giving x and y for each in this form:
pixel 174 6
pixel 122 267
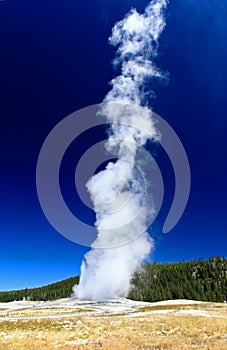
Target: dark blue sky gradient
pixel 54 60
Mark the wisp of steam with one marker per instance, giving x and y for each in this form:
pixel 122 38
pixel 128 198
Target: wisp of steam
pixel 116 192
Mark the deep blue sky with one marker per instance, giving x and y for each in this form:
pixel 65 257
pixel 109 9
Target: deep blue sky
pixel 54 60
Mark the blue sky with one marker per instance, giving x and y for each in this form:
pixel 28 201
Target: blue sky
pixel 55 59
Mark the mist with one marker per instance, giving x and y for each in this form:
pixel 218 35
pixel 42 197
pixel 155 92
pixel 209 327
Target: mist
pixel 118 192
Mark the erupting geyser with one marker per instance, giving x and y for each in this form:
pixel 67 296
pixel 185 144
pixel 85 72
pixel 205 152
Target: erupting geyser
pixel 117 193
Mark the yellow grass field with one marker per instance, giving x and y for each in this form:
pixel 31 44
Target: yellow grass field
pixel 161 326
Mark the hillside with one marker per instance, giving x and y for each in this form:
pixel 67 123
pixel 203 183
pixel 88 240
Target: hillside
pixel 52 291
pixel 204 280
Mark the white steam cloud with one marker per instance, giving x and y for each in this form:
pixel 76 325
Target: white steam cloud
pixel 118 192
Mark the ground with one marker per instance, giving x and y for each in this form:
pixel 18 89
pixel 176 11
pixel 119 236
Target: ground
pixel 121 324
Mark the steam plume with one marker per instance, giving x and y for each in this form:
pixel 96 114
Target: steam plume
pixel 117 192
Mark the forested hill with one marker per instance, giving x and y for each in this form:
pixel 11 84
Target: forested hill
pixel 52 291
pixel 204 280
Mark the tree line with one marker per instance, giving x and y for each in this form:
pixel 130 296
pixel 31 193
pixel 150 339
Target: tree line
pixel 204 280
pixel 62 289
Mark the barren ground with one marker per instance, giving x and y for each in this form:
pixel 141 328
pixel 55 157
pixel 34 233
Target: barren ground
pixel 116 324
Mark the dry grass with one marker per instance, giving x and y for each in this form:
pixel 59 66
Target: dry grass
pixel 205 306
pixel 41 312
pixel 171 331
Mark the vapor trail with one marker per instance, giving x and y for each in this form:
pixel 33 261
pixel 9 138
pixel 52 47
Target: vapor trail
pixel 118 192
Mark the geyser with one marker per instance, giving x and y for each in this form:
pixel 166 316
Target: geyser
pixel 117 192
